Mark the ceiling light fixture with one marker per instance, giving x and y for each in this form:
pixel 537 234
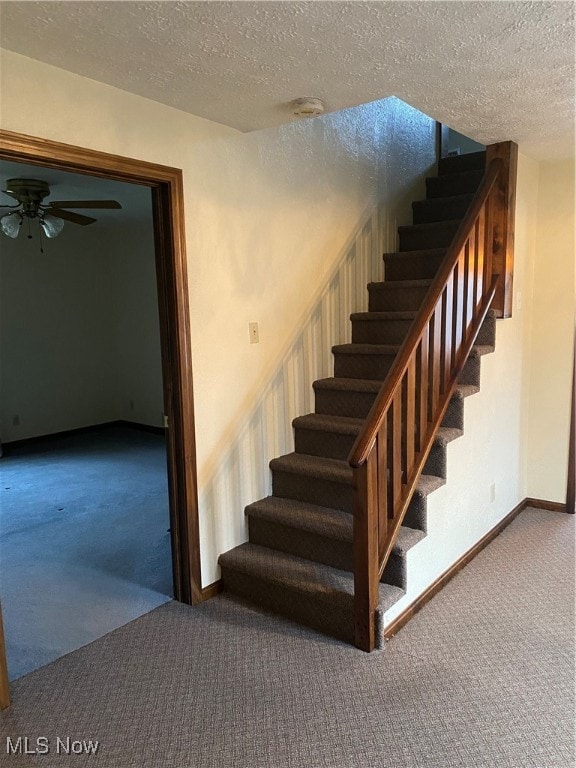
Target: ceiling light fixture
pixel 30 194
pixel 308 106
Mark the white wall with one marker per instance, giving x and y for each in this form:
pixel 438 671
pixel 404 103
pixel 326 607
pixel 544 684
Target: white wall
pixel 269 216
pixel 79 341
pixel 552 333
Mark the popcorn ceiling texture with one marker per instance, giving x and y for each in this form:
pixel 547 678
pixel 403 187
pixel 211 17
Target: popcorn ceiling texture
pixel 494 71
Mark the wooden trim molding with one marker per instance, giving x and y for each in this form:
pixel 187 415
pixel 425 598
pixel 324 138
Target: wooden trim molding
pixel 504 215
pixel 549 506
pixel 172 268
pixel 212 590
pixel 4 684
pixel 396 624
pixel 571 482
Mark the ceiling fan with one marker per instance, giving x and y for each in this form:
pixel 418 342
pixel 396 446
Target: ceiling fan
pixel 29 194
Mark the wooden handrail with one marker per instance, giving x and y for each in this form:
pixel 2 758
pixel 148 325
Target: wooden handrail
pixel 365 439
pixel 390 453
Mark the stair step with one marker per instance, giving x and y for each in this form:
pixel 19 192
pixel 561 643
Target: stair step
pixel 438 234
pixel 413 265
pixel 416 514
pixel 345 397
pixel 472 161
pixel 441 208
pixel 305 530
pixel 364 361
pixel 311 593
pixel 381 327
pixel 322 435
pixel 319 534
pixel 314 479
pixel 437 460
pixel 453 184
pixel 397 295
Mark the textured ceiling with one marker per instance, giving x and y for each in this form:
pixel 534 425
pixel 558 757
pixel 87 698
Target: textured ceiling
pixel 492 70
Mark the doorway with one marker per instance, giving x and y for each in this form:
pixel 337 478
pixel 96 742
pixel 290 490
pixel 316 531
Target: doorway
pixel 165 185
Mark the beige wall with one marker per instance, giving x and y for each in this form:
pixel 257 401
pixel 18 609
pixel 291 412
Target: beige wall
pixel 552 333
pixel 270 219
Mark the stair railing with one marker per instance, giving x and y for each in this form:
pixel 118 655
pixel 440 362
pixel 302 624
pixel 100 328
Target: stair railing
pixel 390 453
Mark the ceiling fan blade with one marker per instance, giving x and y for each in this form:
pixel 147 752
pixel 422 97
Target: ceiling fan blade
pixel 75 218
pixel 84 204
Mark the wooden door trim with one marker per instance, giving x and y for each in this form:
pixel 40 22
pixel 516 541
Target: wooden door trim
pixel 571 481
pixel 171 266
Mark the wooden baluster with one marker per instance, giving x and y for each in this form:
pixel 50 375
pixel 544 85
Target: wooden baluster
pixel 366 565
pixel 471 282
pixel 384 511
pixel 435 361
pixel 395 452
pixel 489 240
pixel 458 303
pixel 466 290
pixel 447 326
pixel 480 246
pixel 410 417
pixel 424 349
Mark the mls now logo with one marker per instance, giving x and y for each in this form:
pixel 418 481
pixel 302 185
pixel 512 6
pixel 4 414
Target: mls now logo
pixel 22 745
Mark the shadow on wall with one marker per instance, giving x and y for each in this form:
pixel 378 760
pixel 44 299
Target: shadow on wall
pixel 240 474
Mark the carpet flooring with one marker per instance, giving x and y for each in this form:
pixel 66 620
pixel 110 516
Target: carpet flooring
pixel 84 540
pixel 482 677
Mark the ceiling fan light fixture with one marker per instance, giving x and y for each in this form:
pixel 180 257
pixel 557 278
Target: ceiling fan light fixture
pixel 51 225
pixel 11 223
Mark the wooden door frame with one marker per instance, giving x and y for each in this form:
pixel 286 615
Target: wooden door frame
pixel 171 269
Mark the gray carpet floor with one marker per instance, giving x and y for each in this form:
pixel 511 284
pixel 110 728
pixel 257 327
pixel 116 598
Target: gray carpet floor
pixel 482 677
pixel 84 542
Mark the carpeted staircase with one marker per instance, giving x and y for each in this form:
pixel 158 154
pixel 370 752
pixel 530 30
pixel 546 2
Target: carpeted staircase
pixel 298 561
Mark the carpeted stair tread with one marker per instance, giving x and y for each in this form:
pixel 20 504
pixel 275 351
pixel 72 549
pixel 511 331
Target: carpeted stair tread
pixel 288 570
pixel 465 390
pixel 471 161
pixel 407 538
pixel 325 521
pixel 427 484
pixel 333 470
pixel 445 435
pixel 399 284
pixel 421 264
pixel 379 316
pixel 431 226
pixel 441 208
pixel 305 576
pixel 348 385
pixel 331 523
pixel 323 422
pixel 366 349
pixel 453 184
pixel 478 350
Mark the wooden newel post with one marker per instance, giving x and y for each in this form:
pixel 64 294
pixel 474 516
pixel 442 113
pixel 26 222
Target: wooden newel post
pixel 503 210
pixel 366 553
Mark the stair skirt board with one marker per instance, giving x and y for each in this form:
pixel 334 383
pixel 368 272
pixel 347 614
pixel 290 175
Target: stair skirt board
pixel 298 561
